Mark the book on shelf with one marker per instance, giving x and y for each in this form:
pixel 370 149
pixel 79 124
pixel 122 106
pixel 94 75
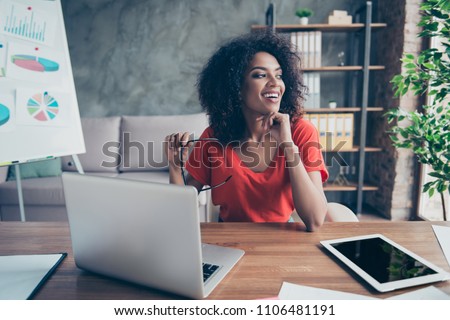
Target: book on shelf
pixel 312 82
pixel 314 119
pixel 331 132
pixel 348 130
pixel 316 89
pixel 335 130
pixel 340 139
pixel 318 49
pixel 323 126
pixel 308 44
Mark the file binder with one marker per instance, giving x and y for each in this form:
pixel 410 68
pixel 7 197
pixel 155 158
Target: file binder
pixel 21 276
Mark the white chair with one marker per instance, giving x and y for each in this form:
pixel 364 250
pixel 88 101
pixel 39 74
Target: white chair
pixel 336 213
pixel 340 213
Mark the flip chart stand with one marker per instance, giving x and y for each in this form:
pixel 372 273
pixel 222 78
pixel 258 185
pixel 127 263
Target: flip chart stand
pixel 19 192
pixel 80 170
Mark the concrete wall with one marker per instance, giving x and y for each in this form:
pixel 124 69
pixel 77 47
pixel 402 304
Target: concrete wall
pixel 140 57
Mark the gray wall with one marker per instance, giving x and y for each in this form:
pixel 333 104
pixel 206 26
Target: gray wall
pixel 142 57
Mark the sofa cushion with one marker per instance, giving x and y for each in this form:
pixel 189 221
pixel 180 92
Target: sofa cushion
pixel 150 176
pixel 38 169
pixel 159 177
pixel 142 138
pixel 101 137
pixel 3 173
pixel 34 213
pixel 47 191
pixel 37 191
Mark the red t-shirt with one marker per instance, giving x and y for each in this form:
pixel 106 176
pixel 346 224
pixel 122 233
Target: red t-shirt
pixel 253 196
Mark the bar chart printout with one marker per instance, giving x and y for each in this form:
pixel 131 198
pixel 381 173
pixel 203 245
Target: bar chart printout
pixel 25 22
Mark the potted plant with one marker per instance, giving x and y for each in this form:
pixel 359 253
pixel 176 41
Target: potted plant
pixel 303 14
pixel 427 132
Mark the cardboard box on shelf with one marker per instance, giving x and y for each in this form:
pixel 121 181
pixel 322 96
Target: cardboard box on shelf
pixel 339 17
pixel 339 13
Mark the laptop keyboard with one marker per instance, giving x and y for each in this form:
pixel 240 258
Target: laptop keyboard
pixel 208 270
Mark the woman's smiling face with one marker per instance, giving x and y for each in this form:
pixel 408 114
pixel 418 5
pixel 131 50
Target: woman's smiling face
pixel 263 85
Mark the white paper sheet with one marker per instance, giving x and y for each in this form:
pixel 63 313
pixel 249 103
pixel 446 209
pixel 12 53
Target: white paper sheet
pixel 443 235
pixel 428 293
pixel 20 275
pixel 26 22
pixel 290 291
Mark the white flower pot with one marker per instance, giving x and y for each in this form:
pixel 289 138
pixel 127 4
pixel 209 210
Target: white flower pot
pixel 304 21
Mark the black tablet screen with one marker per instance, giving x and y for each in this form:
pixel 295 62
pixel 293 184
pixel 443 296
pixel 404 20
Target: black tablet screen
pixel 381 260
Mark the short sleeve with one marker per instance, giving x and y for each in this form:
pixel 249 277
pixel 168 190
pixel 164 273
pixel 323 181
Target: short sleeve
pixel 306 137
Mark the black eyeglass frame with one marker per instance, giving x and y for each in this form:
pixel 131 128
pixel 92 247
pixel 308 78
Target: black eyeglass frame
pixel 182 163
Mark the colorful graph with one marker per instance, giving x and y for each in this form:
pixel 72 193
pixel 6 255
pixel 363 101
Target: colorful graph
pixel 23 21
pixel 43 107
pixel 2 59
pixel 4 114
pixel 34 63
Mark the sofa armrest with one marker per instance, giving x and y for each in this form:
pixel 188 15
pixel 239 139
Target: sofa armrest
pixel 3 173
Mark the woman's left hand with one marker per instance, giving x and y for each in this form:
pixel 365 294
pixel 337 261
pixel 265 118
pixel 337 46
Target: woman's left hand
pixel 279 126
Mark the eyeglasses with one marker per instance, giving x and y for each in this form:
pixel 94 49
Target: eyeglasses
pixel 182 164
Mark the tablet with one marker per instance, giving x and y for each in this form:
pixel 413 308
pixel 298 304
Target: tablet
pixel 384 264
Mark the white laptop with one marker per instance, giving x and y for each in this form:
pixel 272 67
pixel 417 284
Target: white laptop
pixel 142 232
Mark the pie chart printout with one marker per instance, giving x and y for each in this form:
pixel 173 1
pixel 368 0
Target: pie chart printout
pixel 4 114
pixel 34 63
pixel 43 107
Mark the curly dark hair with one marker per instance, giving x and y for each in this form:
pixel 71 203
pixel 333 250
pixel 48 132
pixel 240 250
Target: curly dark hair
pixel 220 81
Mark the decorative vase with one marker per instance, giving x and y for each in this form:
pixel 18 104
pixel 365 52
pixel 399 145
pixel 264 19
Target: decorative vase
pixel 304 21
pixel 332 104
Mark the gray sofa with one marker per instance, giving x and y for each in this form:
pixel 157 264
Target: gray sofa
pixel 127 147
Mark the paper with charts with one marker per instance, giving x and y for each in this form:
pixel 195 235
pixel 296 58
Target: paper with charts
pixel 25 21
pixel 41 107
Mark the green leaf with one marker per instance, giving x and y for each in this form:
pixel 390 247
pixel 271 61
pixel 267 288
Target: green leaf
pixel 397 78
pixel 441 187
pixel 404 91
pixel 427 186
pixel 394 138
pixel 421 59
pixel 432 26
pixel 445 5
pixel 404 134
pixel 435 174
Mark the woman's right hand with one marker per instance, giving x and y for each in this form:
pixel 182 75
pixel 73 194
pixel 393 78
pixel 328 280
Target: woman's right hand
pixel 173 148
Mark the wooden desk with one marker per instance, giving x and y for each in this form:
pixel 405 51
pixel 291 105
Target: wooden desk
pixel 274 253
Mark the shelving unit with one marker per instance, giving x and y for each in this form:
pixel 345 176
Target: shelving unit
pixel 343 68
pixel 356 106
pixel 322 27
pixel 343 109
pixel 348 187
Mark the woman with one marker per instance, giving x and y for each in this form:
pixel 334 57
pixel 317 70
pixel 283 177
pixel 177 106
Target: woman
pixel 262 159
